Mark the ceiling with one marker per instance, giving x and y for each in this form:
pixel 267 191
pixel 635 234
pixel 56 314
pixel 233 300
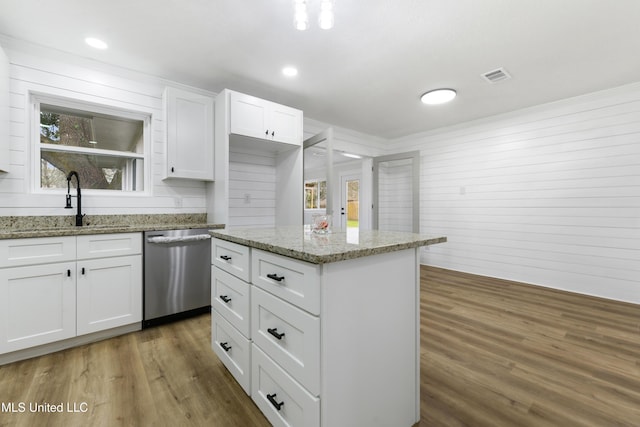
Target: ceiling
pixel 368 72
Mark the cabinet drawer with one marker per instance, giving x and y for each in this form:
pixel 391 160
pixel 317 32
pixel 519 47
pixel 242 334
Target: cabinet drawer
pixel 230 298
pixel 233 349
pixel 231 257
pixel 17 252
pixel 289 336
pixel 280 398
pixel 295 281
pixel 108 245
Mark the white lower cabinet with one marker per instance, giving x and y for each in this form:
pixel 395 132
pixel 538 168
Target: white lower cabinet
pixel 109 293
pixel 37 305
pixel 336 344
pixel 80 293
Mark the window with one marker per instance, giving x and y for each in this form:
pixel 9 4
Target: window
pixel 315 194
pixel 105 146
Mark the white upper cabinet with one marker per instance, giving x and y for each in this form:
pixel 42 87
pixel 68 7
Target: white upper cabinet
pixel 189 124
pixel 258 118
pixel 4 112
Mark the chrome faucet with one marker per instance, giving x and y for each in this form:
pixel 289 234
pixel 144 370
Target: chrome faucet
pixel 79 214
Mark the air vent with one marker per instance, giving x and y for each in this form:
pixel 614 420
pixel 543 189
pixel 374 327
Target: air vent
pixel 495 76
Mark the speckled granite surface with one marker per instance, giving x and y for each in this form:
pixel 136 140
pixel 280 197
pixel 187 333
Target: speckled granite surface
pixel 16 227
pixel 300 243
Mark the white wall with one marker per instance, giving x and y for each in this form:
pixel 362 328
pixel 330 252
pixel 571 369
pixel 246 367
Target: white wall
pixel 55 73
pixel 548 195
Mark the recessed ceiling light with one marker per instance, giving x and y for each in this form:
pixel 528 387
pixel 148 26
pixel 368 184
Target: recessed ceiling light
pixel 290 71
pixel 96 43
pixel 438 96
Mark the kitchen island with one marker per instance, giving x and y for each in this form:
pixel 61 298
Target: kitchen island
pixel 321 329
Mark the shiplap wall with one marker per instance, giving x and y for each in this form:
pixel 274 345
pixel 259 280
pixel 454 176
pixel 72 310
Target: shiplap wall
pixel 252 187
pixel 395 198
pixel 32 70
pixel 548 195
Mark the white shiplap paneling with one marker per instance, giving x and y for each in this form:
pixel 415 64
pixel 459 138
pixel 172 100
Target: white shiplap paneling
pixel 252 187
pixel 72 78
pixel 549 195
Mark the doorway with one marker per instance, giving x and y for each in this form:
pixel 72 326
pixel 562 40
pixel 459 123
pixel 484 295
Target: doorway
pixel 350 203
pixel 396 192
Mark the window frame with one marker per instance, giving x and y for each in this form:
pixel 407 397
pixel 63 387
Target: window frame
pixel 36 99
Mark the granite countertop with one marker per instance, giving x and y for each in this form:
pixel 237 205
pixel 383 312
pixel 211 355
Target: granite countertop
pixel 56 226
pixel 300 243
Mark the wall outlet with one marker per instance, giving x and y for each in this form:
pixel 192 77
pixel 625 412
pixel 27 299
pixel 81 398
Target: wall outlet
pixel 177 202
pixel 247 198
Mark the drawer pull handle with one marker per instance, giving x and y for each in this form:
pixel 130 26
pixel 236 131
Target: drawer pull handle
pixel 274 332
pixel 225 346
pixel 68 273
pixel 275 277
pixel 274 402
pixel 225 298
pixel 225 257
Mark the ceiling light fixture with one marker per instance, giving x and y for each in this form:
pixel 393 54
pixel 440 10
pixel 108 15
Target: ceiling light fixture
pixel 438 96
pixel 96 43
pixel 301 15
pixel 352 156
pixel 290 71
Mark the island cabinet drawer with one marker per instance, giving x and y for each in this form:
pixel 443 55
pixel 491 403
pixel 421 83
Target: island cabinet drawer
pixel 281 399
pixel 41 250
pixel 289 336
pixel 233 349
pixel 230 298
pixel 109 245
pixel 231 257
pixel 295 281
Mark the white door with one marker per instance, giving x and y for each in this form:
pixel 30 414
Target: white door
pixel 109 293
pixel 350 202
pixel 396 192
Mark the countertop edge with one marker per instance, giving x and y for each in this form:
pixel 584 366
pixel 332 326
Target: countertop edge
pixel 88 230
pixel 324 259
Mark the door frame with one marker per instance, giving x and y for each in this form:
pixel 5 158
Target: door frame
pixel 414 156
pixel 344 195
pixel 325 135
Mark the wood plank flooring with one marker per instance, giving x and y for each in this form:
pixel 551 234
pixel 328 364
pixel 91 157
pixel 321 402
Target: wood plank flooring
pixel 499 353
pixel 494 353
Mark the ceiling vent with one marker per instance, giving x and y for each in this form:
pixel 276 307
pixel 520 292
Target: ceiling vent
pixel 497 75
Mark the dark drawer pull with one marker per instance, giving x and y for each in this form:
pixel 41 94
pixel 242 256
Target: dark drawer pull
pixel 225 298
pixel 275 277
pixel 274 402
pixel 225 257
pixel 68 273
pixel 225 346
pixel 274 332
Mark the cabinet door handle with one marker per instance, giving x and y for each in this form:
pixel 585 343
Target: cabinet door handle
pixel 225 346
pixel 274 402
pixel 68 273
pixel 275 277
pixel 83 271
pixel 266 132
pixel 225 298
pixel 274 332
pixel 273 133
pixel 172 169
pixel 225 257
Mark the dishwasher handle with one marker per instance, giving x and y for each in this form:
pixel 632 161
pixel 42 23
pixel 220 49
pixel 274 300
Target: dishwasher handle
pixel 178 239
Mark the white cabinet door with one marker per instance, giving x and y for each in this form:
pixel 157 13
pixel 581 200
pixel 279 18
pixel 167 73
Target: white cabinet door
pixel 37 305
pixel 248 115
pixel 4 112
pixel 109 293
pixel 189 124
pixel 286 124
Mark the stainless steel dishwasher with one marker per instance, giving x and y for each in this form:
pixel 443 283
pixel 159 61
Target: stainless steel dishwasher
pixel 177 274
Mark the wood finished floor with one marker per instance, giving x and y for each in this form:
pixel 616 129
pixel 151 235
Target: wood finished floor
pixel 494 353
